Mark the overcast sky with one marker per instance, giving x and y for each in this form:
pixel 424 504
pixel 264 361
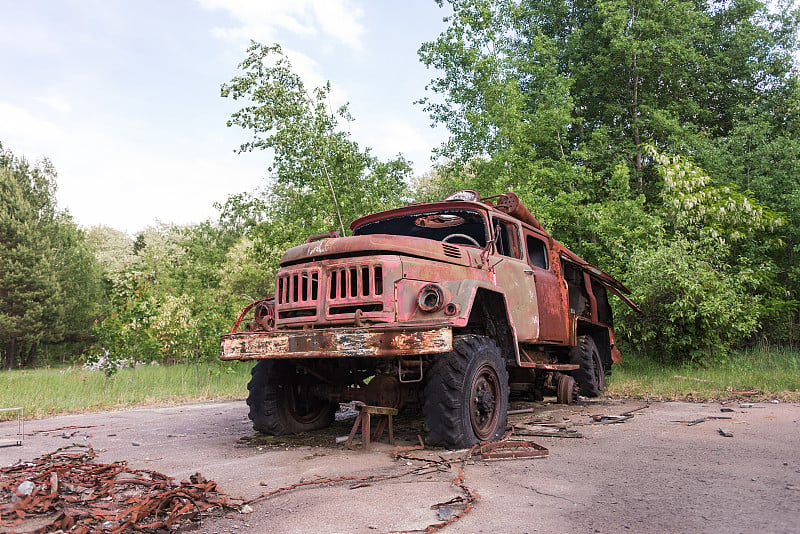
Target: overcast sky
pixel 123 95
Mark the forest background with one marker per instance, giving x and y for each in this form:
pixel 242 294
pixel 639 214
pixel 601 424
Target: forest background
pixel 659 140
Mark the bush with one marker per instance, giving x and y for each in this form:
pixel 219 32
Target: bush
pixel 695 307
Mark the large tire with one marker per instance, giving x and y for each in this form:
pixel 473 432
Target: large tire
pixel 281 401
pixel 466 395
pixel 591 376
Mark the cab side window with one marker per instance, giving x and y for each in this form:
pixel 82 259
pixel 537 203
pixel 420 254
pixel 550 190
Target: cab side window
pixel 508 241
pixel 537 252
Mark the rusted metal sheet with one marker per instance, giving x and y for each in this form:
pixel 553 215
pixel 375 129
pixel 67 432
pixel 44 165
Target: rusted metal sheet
pixel 563 367
pixel 66 491
pixel 501 450
pixel 336 343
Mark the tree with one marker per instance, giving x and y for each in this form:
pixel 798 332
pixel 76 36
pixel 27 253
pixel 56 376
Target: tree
pixel 671 123
pixel 320 178
pixel 612 75
pixel 49 281
pixel 501 96
pixel 27 283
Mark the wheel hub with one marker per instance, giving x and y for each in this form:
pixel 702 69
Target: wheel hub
pixel 485 389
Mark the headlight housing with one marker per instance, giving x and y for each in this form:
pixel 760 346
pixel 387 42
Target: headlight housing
pixel 430 298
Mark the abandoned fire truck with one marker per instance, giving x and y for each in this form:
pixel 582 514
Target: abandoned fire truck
pixel 447 305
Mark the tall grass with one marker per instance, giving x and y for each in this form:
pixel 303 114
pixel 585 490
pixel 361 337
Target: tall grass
pixel 51 391
pixel 761 374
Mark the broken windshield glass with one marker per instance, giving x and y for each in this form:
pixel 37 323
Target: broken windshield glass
pixel 431 225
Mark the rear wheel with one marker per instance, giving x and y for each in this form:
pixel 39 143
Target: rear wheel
pixel 466 396
pixel 282 400
pixel 590 377
pixel 565 392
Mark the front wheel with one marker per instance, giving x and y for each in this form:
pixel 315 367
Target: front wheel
pixel 466 395
pixel 282 400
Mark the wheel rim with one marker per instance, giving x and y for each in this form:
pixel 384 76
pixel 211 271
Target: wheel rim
pixel 484 396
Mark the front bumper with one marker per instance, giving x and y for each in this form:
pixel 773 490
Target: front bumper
pixel 336 343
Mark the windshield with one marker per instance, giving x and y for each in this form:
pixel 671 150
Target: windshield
pixel 457 226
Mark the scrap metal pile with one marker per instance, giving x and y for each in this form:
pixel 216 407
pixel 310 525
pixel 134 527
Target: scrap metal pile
pixel 67 491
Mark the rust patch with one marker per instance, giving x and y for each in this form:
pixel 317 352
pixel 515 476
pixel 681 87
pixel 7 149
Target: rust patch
pixel 338 343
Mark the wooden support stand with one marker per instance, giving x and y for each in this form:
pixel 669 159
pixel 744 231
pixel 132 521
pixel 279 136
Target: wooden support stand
pixel 363 419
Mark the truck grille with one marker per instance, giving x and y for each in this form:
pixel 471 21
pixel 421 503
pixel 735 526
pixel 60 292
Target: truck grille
pixel 298 291
pixel 341 290
pixel 355 282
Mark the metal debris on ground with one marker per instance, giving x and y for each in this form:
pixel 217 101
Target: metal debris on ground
pixel 74 494
pixel 446 512
pixel 547 431
pixel 520 411
pixel 707 418
pixel 621 418
pixel 726 433
pixel 610 419
pixel 500 450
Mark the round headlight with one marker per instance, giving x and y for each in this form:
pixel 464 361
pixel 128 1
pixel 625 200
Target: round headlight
pixel 431 298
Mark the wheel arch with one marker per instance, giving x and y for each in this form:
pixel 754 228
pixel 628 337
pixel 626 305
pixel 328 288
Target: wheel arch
pixel 488 316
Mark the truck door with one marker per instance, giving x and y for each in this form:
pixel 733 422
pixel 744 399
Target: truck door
pixel 549 292
pixel 514 278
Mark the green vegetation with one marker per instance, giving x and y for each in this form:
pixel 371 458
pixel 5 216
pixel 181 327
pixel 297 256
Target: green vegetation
pixel 62 390
pixel 758 374
pixel 657 140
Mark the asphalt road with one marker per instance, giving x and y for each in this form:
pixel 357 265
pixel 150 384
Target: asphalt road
pixel 652 472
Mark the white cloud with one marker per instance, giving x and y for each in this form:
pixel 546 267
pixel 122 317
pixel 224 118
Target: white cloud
pixel 262 20
pixel 107 178
pixel 33 135
pixel 341 20
pixel 55 101
pixel 389 135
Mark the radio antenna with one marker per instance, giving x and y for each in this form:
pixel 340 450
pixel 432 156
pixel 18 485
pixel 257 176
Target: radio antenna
pixel 325 168
pixel 333 194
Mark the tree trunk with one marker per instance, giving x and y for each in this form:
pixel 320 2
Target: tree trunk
pixel 10 356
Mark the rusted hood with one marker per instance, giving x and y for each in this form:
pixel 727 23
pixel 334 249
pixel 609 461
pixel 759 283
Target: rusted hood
pixel 374 245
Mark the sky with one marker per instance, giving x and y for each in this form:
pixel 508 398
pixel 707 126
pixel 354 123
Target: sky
pixel 124 96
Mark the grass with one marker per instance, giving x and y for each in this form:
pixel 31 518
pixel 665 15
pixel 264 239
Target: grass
pixel 763 374
pixel 52 391
pixel 758 374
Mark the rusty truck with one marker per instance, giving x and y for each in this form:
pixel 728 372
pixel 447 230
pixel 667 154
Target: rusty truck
pixel 445 305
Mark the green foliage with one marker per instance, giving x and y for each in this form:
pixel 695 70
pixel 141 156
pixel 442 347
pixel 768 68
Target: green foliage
pixel 320 178
pixel 694 205
pixel 49 281
pixel 667 126
pixel 168 299
pixel 501 96
pixel 694 305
